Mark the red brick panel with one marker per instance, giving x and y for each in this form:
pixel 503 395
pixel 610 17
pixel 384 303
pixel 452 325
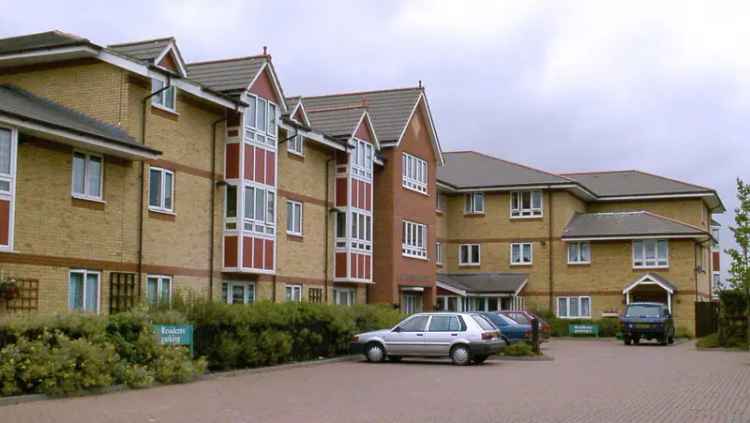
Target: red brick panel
pixel 258 253
pixel 249 162
pixel 355 191
pixel 363 131
pixel 260 165
pixel 361 202
pixel 263 87
pixel 341 192
pixel 230 251
pixel 268 261
pixel 340 265
pixel 233 161
pixel 368 263
pixel 270 168
pixel 716 261
pixel 368 196
pixel 247 251
pixel 353 270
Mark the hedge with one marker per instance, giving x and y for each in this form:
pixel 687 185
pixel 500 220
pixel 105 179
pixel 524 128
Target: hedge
pixel 608 327
pixel 732 319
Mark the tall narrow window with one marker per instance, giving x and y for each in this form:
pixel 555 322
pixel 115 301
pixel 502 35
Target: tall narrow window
pixel 231 207
pixel 160 188
pixel 438 253
pixel 294 217
pixel 295 145
pixel 164 99
pixel 414 240
pixel 87 176
pixel 158 290
pixel 83 291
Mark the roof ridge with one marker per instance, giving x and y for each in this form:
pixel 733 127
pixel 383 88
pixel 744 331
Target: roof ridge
pixel 232 59
pixel 170 38
pixel 52 31
pixel 507 161
pixel 364 92
pixel 675 221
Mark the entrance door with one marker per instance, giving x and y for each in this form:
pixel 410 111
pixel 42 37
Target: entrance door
pixel 411 302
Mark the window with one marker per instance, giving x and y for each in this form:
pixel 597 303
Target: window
pixel 362 157
pixel 295 145
pixel 526 204
pixel 444 324
pixel 165 99
pixel 579 253
pixel 158 290
pixel 715 240
pixel 438 253
pixel 259 208
pixel 238 292
pixel 315 295
pixel 87 176
pixel 344 296
pixel 340 229
pixel 160 188
pixel 574 307
pixel 521 253
pixel 468 255
pixel 474 203
pixel 361 231
pixel 83 290
pixel 6 160
pixel 414 239
pixel 294 293
pixel 230 200
pixel 415 324
pixel 261 121
pixel 650 253
pixel 294 218
pixel 440 202
pixel 414 173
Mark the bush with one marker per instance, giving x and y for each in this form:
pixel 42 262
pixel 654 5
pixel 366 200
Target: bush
pixel 519 349
pixel 608 327
pixel 710 341
pixel 732 319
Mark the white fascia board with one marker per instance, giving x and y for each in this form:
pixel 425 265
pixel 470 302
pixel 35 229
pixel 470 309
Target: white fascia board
pixel 628 238
pixel 313 136
pixel 647 280
pixel 447 287
pixel 508 188
pixel 652 197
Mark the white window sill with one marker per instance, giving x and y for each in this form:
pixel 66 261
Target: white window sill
pixel 526 217
pixel 473 213
pixel 297 234
pixel 522 264
pixel 414 257
pixel 403 185
pixel 650 267
pixel 574 317
pixel 88 198
pixel 165 109
pixel 578 263
pixel 469 264
pixel 296 153
pixel 162 211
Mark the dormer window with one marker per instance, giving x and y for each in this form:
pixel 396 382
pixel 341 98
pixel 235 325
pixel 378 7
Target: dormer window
pixel 164 99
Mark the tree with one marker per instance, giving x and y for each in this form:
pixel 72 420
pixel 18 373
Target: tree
pixel 739 270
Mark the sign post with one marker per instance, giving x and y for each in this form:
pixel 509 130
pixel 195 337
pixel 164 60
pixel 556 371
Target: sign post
pixel 175 335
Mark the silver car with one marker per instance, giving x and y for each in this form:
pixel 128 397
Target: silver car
pixel 464 337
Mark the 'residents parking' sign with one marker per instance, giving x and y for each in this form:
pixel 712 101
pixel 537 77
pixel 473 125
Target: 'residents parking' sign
pixel 175 335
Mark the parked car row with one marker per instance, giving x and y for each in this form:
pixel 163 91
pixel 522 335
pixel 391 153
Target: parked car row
pixel 465 338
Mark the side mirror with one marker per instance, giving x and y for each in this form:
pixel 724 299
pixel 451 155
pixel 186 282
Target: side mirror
pixel 397 329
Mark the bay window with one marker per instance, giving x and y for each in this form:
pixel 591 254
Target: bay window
pixel 361 231
pixel 414 239
pixel 579 253
pixel 87 175
pixel 261 121
pixel 230 201
pixel 521 253
pixel 574 307
pixel 259 208
pixel 474 203
pixel 650 253
pixel 414 173
pixel 526 204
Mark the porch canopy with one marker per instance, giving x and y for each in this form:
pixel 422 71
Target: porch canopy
pixel 485 283
pixel 650 287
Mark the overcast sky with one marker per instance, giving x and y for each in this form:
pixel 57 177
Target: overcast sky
pixel 590 85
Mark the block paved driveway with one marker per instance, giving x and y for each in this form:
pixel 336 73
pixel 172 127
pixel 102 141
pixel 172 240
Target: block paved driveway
pixel 589 381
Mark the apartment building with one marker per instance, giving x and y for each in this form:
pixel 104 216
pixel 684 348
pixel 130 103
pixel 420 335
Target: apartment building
pixel 581 245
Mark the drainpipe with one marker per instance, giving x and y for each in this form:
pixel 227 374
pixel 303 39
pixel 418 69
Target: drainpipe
pixel 698 248
pixel 143 180
pixel 327 234
pixel 551 261
pixel 211 249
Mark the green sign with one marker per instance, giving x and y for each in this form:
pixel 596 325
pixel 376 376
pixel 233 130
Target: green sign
pixel 175 335
pixel 574 330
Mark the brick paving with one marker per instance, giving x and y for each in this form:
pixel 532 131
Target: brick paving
pixel 589 381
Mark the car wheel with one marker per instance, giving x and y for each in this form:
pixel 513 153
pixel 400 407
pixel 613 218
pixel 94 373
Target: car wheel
pixel 637 340
pixel 663 339
pixel 627 340
pixel 507 341
pixel 670 340
pixel 394 358
pixel 374 352
pixel 479 359
pixel 460 355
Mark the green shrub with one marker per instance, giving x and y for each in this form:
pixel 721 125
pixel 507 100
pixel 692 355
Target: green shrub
pixel 608 326
pixel 519 349
pixel 710 341
pixel 682 332
pixel 135 375
pixel 173 365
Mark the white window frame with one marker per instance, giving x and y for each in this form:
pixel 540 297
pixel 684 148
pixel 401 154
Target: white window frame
pixel 296 293
pixel 658 263
pixel 715 242
pixel 230 222
pixel 265 224
pixel 521 246
pixel 440 202
pixel 362 158
pixel 86 186
pixel 349 295
pixel 413 239
pixel 10 178
pixel 361 235
pixel 518 211
pixel 86 273
pixel 159 100
pixel 567 301
pixel 160 279
pixel 578 256
pixel 414 173
pixel 470 247
pixel 247 289
pixel 439 253
pixel 161 208
pixel 470 203
pixel 267 135
pixel 296 145
pixel 297 209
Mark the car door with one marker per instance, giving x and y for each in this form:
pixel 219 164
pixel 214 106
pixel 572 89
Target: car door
pixel 408 337
pixel 442 331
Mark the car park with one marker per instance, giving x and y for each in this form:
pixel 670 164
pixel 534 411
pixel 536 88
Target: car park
pixel 465 338
pixel 525 317
pixel 647 321
pixel 511 331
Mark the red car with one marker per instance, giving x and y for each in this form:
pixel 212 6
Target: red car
pixel 524 318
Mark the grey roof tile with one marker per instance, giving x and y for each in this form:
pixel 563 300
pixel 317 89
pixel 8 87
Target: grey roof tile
pixel 632 182
pixel 227 75
pixel 625 224
pixel 469 169
pixel 22 104
pixel 389 109
pixel 336 122
pixel 41 40
pixel 485 282
pixel 146 51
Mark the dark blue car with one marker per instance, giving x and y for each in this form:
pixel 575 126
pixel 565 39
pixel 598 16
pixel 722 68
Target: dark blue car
pixel 647 321
pixel 510 330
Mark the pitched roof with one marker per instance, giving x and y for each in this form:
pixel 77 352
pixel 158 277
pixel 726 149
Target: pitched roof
pixel 40 40
pixel 230 75
pixel 26 106
pixel 632 182
pixel 627 224
pixel 341 122
pixel 651 278
pixel 389 110
pixel 147 50
pixel 469 169
pixel 484 282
